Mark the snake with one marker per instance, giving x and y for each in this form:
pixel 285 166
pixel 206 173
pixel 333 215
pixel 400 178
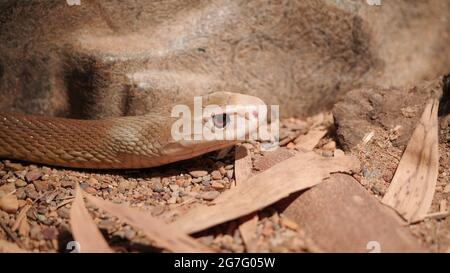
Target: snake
pixel 131 142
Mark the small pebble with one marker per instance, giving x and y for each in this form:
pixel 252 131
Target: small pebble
pixel 210 195
pixel 215 175
pixel 31 192
pixel 174 187
pixel 36 232
pixel 20 193
pixel 68 184
pixel 288 223
pixel 21 174
pixel 124 186
pixel 92 181
pixel 41 185
pixel 33 175
pixel 84 185
pixel 217 185
pixel 9 203
pixel 230 174
pixel 130 234
pixel 367 173
pixel 64 212
pixel 90 190
pixel 206 178
pixel 290 146
pixel 338 153
pixel 13 166
pixel 49 233
pixel 330 146
pixel 20 183
pixel 157 187
pixel 7 188
pixel 447 188
pixel 197 180
pixel 222 170
pixel 196 174
pixel 45 177
pixel 41 218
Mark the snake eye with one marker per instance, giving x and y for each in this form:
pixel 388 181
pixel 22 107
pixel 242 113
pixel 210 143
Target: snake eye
pixel 221 120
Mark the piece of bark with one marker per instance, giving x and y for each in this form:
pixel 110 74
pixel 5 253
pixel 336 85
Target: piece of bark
pixel 22 215
pixel 439 215
pixel 247 228
pixel 248 224
pixel 271 158
pixel 294 174
pixel 413 185
pixel 156 230
pixel 84 229
pixel 242 164
pixel 24 227
pixel 308 141
pixel 242 172
pixel 341 216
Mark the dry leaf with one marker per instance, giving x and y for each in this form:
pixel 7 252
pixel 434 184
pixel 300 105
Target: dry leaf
pixel 84 229
pixel 242 172
pixel 247 228
pixel 156 230
pixel 242 164
pixel 439 215
pixel 24 227
pixel 22 215
pixel 413 185
pixel 294 174
pixel 310 140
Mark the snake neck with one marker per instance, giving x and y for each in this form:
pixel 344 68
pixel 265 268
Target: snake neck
pixel 126 142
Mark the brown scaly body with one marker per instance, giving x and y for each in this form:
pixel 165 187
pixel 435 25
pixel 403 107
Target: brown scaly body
pixel 108 143
pixel 113 143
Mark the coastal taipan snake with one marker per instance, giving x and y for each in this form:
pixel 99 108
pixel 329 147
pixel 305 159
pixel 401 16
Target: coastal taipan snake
pixel 114 143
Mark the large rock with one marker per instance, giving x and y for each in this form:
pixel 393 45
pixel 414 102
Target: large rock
pixel 117 58
pixel 381 110
pixel 340 216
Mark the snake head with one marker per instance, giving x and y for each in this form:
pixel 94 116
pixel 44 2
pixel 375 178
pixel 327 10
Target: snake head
pixel 230 116
pixel 215 121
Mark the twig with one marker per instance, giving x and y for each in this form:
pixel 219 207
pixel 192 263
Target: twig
pixel 20 217
pixel 63 203
pixel 11 234
pixel 438 215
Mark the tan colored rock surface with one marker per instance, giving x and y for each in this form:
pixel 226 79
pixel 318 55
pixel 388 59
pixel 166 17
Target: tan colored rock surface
pixel 340 216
